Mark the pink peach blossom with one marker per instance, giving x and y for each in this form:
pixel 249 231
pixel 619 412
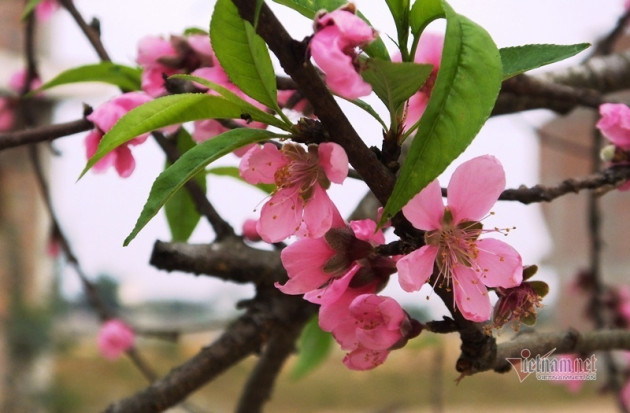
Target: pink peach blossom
pixel 104 117
pixel 114 338
pixel 615 124
pixel 322 268
pixel 333 47
pixel 465 263
pixel 624 396
pixel 302 177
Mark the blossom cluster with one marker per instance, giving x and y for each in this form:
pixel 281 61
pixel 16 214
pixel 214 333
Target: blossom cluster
pixel 336 264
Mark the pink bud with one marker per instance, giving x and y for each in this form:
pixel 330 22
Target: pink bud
pixel 249 230
pixel 114 339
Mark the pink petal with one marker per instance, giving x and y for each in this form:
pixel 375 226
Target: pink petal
pixel 352 29
pixel 474 188
pixel 499 264
pixel 335 291
pixel 364 359
pixel 200 43
pixel 260 164
pixel 365 230
pixel 425 210
pixel 430 49
pixel 281 216
pixel 415 269
pixel 249 230
pixel 153 80
pixel 304 261
pixel 334 161
pixel 152 48
pixel 615 123
pixel 341 76
pixel 206 129
pixel 471 296
pixel 318 213
pixel 124 163
pixel 214 74
pixel 92 139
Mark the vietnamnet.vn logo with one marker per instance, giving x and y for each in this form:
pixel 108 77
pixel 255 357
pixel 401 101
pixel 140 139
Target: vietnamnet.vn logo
pixel 560 368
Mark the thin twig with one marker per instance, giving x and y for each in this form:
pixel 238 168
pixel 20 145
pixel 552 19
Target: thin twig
pixel 90 33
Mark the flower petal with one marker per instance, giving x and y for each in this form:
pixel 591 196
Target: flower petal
pixel 281 216
pixel 364 359
pixel 124 163
pixel 260 164
pixel 425 210
pixel 475 186
pixel 500 265
pixel 318 213
pixel 304 261
pixel 415 269
pixel 334 161
pixel 471 296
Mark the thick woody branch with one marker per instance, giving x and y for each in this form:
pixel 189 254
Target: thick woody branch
pixel 43 133
pixel 244 337
pixel 90 32
pixel 293 57
pixel 230 260
pixel 261 381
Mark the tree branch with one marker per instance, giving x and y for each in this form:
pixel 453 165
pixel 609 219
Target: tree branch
pixel 611 177
pixel 230 260
pixel 43 133
pixel 241 339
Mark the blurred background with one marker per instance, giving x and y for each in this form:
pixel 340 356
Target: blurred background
pixel 49 360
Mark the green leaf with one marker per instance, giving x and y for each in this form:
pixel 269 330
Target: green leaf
pixel 519 59
pixel 309 8
pixel 424 12
pixel 191 164
pixel 466 88
pixel 161 112
pixel 314 346
pixel 28 9
pixel 190 31
pixel 245 106
pixel 395 82
pixel 243 54
pixel 232 171
pixel 181 213
pixel 369 109
pixel 400 13
pixel 124 77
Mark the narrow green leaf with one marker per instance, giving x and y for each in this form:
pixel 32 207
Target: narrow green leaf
pixel 309 8
pixel 314 346
pixel 400 13
pixel 395 82
pixel 466 88
pixel 181 213
pixel 125 77
pixel 28 9
pixel 519 59
pixel 189 165
pixel 161 112
pixel 232 171
pixel 243 54
pixel 245 106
